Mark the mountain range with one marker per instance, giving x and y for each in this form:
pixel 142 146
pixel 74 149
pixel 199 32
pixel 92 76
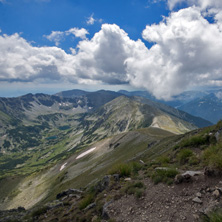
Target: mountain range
pixel 51 142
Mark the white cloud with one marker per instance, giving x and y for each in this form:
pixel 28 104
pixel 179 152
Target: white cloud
pixel 90 20
pixel 55 36
pixel 80 33
pixel 203 4
pixel 99 60
pixel 58 36
pixel 187 52
pixel 103 57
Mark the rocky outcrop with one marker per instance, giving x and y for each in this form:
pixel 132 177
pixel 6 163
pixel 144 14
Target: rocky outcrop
pixel 69 192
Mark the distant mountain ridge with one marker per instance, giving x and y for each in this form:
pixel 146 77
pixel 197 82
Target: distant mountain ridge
pixel 208 107
pixel 27 121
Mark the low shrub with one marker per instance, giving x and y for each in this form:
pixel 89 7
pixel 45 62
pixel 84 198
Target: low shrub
pixel 88 199
pixel 40 211
pixel 125 169
pixel 215 216
pixel 184 155
pixel 195 141
pixel 212 156
pixel 135 188
pixel 163 159
pixel 164 176
pixel 193 160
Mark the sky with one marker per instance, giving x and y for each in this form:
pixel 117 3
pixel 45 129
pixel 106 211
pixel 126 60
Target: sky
pixel 162 46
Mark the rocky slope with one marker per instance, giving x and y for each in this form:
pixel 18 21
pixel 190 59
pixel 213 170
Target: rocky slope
pixel 171 180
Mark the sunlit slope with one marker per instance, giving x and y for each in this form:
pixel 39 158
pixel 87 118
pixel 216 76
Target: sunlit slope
pixel 76 173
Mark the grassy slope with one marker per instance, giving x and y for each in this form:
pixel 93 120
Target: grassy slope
pixel 45 184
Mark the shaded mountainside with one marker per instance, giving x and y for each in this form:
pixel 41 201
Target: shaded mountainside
pixel 208 107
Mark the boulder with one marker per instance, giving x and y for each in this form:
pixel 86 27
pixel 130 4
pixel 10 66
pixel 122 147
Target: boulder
pixel 105 214
pixel 116 177
pixel 90 206
pixel 68 192
pixel 103 184
pixel 210 172
pixel 182 178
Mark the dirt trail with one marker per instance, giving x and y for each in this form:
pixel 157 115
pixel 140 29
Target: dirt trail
pixel 163 203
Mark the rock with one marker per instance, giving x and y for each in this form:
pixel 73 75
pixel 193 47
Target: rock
pixel 127 179
pixel 197 200
pixel 103 184
pixel 90 206
pixel 68 192
pixel 210 172
pixel 181 178
pixel 218 135
pixel 142 162
pixel 211 207
pixel 54 204
pixel 216 193
pixel 198 195
pixel 196 216
pixel 116 177
pixel 183 217
pixel 105 214
pixel 20 209
pixel 95 218
pixel 192 173
pixel 162 168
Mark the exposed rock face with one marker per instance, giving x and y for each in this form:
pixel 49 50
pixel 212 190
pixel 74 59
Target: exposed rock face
pixel 186 177
pixel 68 192
pixel 210 172
pixel 103 184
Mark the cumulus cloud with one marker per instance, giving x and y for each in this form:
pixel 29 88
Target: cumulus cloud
pixel 186 52
pixel 103 57
pixel 55 36
pixel 80 33
pixel 58 36
pixel 203 4
pixel 98 60
pixel 20 61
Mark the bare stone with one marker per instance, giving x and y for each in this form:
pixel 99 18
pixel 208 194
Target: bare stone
pixel 216 193
pixel 198 195
pixel 197 200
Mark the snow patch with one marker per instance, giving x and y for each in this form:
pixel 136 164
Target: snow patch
pixel 85 153
pixel 63 166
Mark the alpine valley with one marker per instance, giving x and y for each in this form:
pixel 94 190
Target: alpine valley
pixel 62 146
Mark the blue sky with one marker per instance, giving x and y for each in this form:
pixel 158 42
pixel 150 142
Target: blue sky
pixel 52 45
pixel 36 18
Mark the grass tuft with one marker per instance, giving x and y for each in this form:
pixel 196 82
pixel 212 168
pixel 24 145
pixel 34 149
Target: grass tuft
pixel 164 176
